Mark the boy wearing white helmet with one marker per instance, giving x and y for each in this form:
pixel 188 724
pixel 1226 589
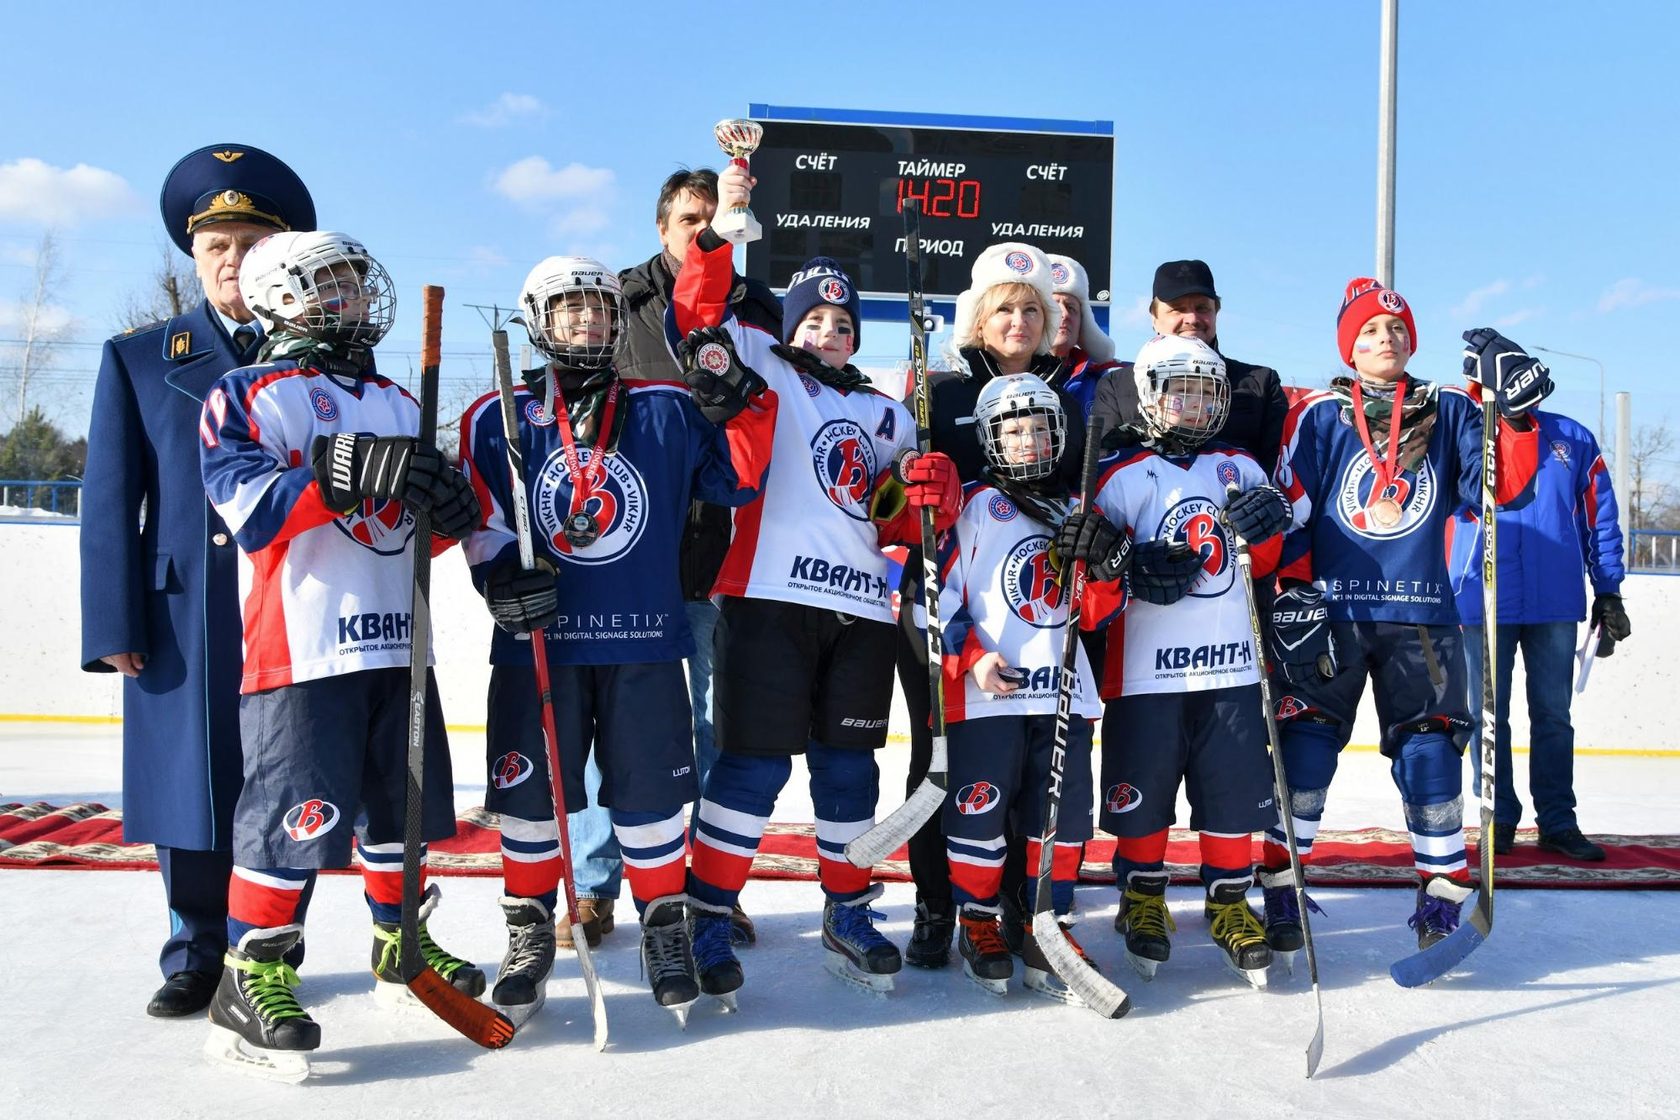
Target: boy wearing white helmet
pixel 611 469
pixel 1006 617
pixel 311 459
pixel 1182 687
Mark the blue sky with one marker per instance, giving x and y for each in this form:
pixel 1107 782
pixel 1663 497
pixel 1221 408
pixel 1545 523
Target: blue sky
pixel 1537 151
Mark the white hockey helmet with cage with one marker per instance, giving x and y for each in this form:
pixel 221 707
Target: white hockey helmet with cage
pixel 1183 392
pixel 1020 396
pixel 319 284
pixel 587 289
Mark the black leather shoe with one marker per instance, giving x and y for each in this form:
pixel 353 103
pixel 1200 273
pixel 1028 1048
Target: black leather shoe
pixel 1504 836
pixel 1571 843
pixel 183 994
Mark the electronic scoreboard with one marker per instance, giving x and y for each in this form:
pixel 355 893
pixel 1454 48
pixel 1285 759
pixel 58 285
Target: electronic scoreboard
pixel 833 183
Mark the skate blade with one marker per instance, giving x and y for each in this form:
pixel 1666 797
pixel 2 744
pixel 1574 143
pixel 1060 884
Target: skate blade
pixel 521 1013
pixel 1050 985
pixel 1255 977
pixel 995 987
pixel 875 983
pixel 1142 965
pixel 727 1001
pixel 398 997
pixel 228 1048
pixel 1287 957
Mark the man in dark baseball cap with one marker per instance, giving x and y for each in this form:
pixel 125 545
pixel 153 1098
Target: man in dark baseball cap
pixel 1177 279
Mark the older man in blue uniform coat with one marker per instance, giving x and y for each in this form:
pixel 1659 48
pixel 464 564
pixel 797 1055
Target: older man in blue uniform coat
pixel 160 576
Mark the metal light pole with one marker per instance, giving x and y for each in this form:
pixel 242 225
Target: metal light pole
pixel 1389 51
pixel 1600 365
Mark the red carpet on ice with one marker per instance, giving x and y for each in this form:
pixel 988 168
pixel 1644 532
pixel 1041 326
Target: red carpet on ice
pixel 88 837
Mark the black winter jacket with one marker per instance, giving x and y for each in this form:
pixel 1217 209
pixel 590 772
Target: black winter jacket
pixel 1255 422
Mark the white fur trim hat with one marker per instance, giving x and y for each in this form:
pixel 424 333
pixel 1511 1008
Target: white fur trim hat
pixel 1069 277
pixel 1011 262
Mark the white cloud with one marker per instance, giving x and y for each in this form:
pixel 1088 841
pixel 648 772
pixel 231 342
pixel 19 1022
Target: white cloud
pixel 532 181
pixel 581 221
pixel 1522 315
pixel 1631 292
pixel 32 190
pixel 1472 303
pixel 505 110
pixel 1136 315
pixel 55 321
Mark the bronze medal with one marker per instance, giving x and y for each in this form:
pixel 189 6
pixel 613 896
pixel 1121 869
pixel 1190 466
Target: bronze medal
pixel 1386 513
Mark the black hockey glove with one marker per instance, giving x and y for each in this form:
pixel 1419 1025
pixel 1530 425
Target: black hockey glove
pixel 1303 648
pixel 719 381
pixel 1162 571
pixel 1093 538
pixel 1612 622
pixel 1519 382
pixel 1123 436
pixel 454 507
pixel 1257 515
pixel 522 601
pixel 351 467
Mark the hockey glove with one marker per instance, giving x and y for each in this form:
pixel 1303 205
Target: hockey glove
pixel 522 601
pixel 1519 382
pixel 1125 435
pixel 1162 571
pixel 1302 646
pixel 719 381
pixel 1104 547
pixel 351 467
pixel 1257 515
pixel 1612 622
pixel 454 506
pixel 930 480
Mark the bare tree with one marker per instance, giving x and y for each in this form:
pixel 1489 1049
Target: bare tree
pixel 1652 503
pixel 172 289
pixel 41 325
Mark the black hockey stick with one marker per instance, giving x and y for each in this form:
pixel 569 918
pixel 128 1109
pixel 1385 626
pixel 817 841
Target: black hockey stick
pixel 1098 992
pixel 1280 787
pixel 1431 964
pixel 539 655
pixel 897 829
pixel 477 1021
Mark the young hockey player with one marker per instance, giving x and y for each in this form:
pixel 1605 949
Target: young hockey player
pixel 805 641
pixel 312 460
pixel 1005 627
pixel 1374 468
pixel 610 471
pixel 1182 689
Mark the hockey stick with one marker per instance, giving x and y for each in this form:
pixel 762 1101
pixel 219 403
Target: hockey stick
pixel 1431 964
pixel 1280 785
pixel 888 835
pixel 1098 992
pixel 545 693
pixel 477 1021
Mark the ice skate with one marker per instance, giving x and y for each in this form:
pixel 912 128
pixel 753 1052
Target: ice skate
pixel 1282 915
pixel 1237 931
pixel 668 957
pixel 256 1023
pixel 1438 902
pixel 391 990
pixel 985 955
pixel 853 950
pixel 522 981
pixel 1145 920
pixel 930 938
pixel 714 954
pixel 1039 975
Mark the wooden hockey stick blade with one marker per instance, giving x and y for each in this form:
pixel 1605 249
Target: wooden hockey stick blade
pixel 591 985
pixel 1098 992
pixel 888 835
pixel 477 1021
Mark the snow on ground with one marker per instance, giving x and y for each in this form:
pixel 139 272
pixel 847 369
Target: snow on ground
pixel 1566 1011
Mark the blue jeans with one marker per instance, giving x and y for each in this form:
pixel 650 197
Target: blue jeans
pixel 1548 652
pixel 600 865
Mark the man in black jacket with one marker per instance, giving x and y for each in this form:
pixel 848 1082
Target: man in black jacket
pixel 1185 303
pixel 687 201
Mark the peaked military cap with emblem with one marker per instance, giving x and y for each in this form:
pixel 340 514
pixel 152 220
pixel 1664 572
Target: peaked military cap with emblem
pixel 232 183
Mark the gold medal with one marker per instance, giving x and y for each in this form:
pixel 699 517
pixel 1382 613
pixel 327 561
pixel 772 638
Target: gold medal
pixel 1386 513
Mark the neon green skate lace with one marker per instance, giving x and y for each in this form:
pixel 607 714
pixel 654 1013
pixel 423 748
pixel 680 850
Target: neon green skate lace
pixel 1234 924
pixel 1147 914
pixel 268 986
pixel 442 962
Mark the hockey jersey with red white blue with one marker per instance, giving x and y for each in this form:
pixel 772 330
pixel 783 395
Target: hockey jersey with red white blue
pixel 620 597
pixel 323 594
pixel 808 537
pixel 1371 572
pixel 999 593
pixel 1203 641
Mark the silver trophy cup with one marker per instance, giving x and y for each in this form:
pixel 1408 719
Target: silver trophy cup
pixel 738 139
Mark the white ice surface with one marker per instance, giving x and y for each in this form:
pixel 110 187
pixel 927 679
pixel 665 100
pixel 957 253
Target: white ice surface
pixel 1568 1010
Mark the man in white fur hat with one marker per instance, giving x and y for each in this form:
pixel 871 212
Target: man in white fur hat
pixel 1086 352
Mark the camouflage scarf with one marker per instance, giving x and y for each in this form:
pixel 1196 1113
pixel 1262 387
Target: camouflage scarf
pixel 1417 415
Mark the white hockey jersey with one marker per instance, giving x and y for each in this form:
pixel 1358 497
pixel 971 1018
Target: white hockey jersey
pixel 1204 641
pixel 999 594
pixel 323 594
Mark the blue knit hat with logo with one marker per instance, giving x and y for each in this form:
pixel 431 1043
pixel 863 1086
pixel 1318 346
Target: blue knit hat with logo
pixel 820 280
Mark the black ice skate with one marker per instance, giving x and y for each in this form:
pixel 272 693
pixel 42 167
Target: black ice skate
pixel 1145 920
pixel 522 981
pixel 985 954
pixel 668 957
pixel 854 951
pixel 930 938
pixel 1237 931
pixel 1282 915
pixel 256 1023
pixel 1438 902
pixel 714 953
pixel 1039 975
pixel 392 991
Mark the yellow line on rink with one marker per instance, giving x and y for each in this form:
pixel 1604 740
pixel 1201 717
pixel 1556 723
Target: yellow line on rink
pixel 29 717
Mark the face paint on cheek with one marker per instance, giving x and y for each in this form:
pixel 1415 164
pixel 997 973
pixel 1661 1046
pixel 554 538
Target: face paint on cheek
pixel 1361 347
